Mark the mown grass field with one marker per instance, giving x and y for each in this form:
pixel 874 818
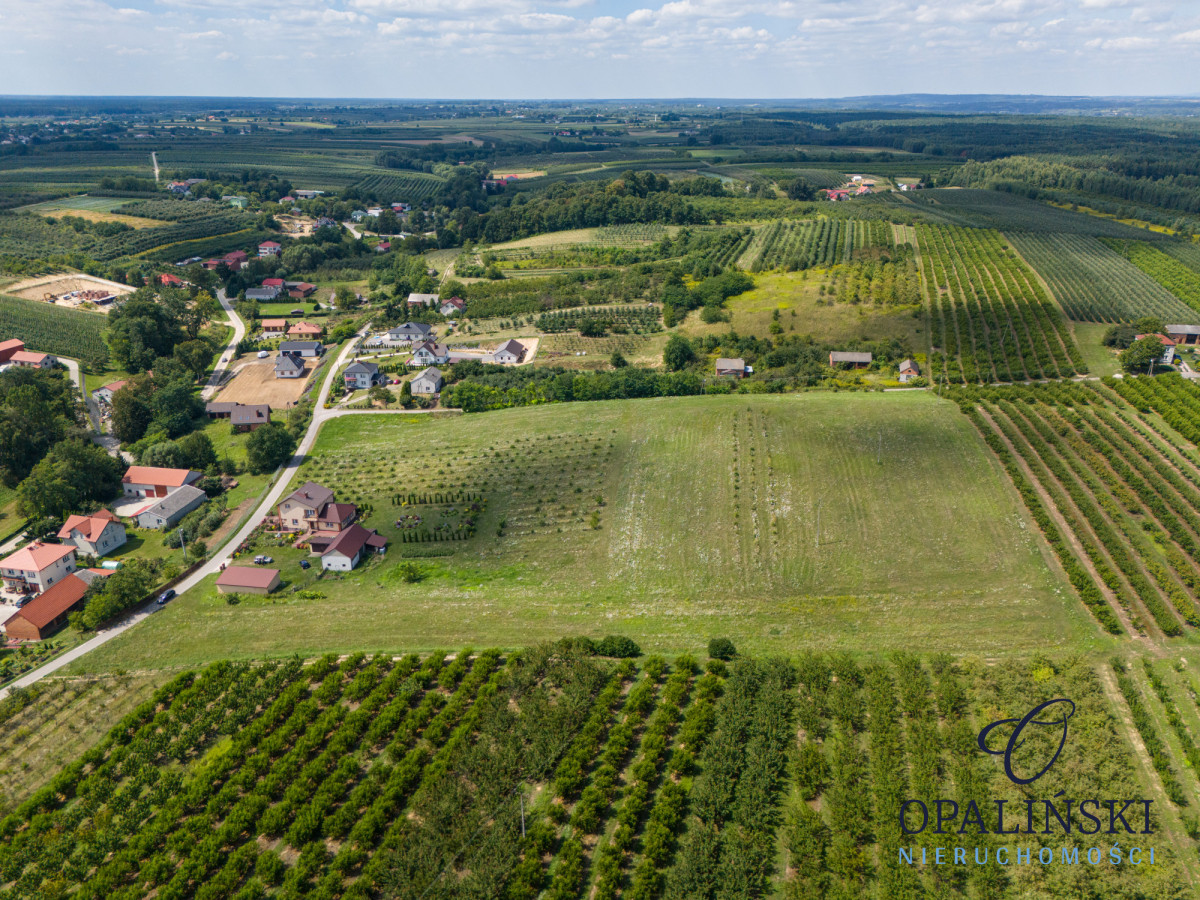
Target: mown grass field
pixel 796 296
pixel 94 209
pixel 707 524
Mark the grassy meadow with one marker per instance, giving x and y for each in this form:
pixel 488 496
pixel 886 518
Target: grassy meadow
pixel 670 521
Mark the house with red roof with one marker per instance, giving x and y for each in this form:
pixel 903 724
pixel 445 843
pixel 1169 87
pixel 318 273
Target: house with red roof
pixel 304 329
pixel 236 260
pixel 273 328
pixel 37 566
pixel 155 481
pixel 166 279
pixel 105 394
pixel 273 282
pixel 349 548
pixel 298 290
pixel 30 360
pixel 95 534
pixel 247 580
pixel 48 612
pixel 453 306
pixel 269 248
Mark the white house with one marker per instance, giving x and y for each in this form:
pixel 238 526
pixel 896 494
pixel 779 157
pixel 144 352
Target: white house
pixel 427 382
pixel 288 367
pixel 350 546
pixel 34 568
pixel 94 535
pixel 510 352
pixel 269 248
pixel 431 354
pixel 362 375
pixel 453 307
pixel 410 331
pixel 306 349
pixel 1168 354
pixel 105 394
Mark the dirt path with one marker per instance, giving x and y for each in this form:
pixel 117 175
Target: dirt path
pixel 154 160
pixel 1069 535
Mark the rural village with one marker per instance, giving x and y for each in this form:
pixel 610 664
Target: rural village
pixel 596 500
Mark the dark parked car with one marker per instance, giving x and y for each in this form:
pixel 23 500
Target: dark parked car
pixel 165 596
pixel 305 564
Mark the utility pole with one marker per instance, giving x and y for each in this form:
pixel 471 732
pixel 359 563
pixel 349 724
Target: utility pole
pixel 182 544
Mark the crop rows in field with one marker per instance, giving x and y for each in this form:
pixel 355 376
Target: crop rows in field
pixel 47 328
pixel 555 484
pixel 1179 279
pixel 1003 211
pixel 637 318
pixel 628 235
pixel 398 188
pixel 1126 498
pixel 318 168
pixel 371 776
pixel 875 736
pixel 793 246
pixel 990 317
pixel 1187 253
pixel 1094 283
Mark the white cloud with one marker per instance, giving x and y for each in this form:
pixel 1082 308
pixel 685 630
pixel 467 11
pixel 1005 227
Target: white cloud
pixel 226 55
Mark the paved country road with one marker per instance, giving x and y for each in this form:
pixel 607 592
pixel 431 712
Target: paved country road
pixel 239 332
pixel 282 478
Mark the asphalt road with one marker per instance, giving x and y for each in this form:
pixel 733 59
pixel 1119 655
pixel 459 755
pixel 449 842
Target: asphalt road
pixel 239 332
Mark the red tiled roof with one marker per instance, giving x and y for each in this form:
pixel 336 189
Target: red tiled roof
pixel 53 602
pixel 156 475
pixel 1167 342
pixel 26 356
pixel 247 577
pixel 36 557
pixel 91 527
pixel 273 282
pixel 353 539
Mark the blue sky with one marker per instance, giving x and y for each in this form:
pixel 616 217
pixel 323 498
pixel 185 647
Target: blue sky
pixel 598 48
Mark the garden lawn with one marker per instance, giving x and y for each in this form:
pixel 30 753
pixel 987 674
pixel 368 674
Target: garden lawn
pixel 707 515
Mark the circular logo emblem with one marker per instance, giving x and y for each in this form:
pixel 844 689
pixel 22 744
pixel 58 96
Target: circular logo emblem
pixel 1051 713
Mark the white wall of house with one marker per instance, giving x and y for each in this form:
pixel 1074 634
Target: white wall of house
pixel 338 562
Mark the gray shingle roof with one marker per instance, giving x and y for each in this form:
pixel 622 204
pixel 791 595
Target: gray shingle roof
pixel 362 368
pixel 178 499
pixel 850 356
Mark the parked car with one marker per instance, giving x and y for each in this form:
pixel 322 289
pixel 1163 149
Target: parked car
pixel 263 354
pixel 305 564
pixel 263 560
pixel 165 596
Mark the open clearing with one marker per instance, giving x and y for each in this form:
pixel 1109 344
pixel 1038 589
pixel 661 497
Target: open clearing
pixel 802 310
pixel 255 382
pixel 668 520
pixel 94 209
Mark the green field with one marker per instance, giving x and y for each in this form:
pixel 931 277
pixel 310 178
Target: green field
pixel 47 328
pixel 707 511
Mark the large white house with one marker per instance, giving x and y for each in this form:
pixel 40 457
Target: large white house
pixel 34 568
pixel 431 353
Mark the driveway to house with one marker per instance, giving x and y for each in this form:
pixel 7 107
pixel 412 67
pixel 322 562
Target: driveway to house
pixel 283 477
pixel 239 332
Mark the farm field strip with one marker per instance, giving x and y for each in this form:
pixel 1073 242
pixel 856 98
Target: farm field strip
pixel 992 320
pixel 796 245
pixel 1130 501
pixel 1094 283
pixel 1176 277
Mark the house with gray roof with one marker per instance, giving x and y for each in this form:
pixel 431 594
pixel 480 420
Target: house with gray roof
pixel 288 367
pixel 410 331
pixel 509 353
pixel 1183 334
pixel 430 353
pixel 170 509
pixel 429 381
pixel 362 375
pixel 301 348
pixel 853 359
pixel 261 294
